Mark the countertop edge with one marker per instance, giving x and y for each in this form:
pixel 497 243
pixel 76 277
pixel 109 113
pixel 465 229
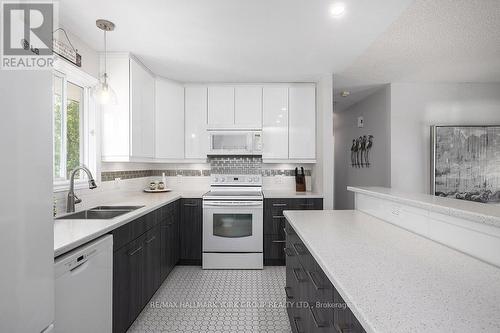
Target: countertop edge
pixel 124 219
pixel 277 194
pixel 438 206
pixel 338 286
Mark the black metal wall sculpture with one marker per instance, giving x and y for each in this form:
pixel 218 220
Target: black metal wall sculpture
pixel 360 151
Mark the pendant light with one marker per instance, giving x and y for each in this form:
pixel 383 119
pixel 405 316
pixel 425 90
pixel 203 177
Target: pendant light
pixel 103 92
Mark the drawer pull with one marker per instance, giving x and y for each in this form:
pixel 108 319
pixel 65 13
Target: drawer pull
pixel 150 240
pixel 278 217
pixel 306 205
pixel 296 321
pixel 288 296
pixel 299 249
pixel 135 251
pixel 190 205
pixel 279 204
pixel 295 270
pixel 279 241
pixel 315 284
pixel 313 315
pixel 288 252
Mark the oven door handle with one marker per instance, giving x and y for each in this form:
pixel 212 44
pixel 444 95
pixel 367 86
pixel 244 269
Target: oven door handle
pixel 232 203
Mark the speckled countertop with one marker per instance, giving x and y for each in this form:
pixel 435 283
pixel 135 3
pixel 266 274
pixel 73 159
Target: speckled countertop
pixel 472 211
pixel 283 194
pixel 396 281
pixel 69 234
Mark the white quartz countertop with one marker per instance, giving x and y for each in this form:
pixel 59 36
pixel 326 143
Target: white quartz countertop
pixel 270 194
pixel 69 234
pixel 396 281
pixel 472 211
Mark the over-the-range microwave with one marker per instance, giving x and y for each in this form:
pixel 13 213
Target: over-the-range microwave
pixel 235 142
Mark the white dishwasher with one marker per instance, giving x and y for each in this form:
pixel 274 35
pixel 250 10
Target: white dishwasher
pixel 84 288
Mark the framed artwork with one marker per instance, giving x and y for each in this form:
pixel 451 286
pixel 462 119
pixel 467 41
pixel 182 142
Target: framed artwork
pixel 465 162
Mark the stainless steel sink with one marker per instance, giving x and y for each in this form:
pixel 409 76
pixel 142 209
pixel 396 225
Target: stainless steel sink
pixel 100 213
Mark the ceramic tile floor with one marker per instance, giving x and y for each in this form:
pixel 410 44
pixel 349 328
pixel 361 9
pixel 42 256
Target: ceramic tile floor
pixel 195 300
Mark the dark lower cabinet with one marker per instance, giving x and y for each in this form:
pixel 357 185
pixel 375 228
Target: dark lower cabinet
pixel 314 305
pixel 145 251
pixel 169 231
pixel 191 231
pixel 274 224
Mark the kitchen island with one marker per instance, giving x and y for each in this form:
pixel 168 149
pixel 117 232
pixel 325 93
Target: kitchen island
pixel 396 281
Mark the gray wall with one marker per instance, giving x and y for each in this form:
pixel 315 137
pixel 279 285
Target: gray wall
pixel 376 112
pixel 415 107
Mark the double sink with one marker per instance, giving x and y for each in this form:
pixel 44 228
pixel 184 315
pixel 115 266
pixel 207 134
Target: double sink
pixel 100 213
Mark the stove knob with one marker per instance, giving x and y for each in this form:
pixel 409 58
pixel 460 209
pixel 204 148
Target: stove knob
pixel 223 180
pixel 256 179
pixel 250 179
pixel 216 180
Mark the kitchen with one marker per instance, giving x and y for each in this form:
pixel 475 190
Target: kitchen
pixel 258 166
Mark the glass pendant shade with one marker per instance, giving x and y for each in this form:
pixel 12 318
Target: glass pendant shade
pixel 103 93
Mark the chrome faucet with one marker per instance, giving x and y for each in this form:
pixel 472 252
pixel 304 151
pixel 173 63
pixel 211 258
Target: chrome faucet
pixel 72 198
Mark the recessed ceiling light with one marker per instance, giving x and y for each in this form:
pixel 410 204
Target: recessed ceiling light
pixel 337 9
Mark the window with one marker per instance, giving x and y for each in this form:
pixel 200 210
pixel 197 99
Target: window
pixel 73 125
pixel 68 127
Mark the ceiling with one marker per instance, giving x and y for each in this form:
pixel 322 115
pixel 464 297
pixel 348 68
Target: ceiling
pixel 432 41
pixel 235 40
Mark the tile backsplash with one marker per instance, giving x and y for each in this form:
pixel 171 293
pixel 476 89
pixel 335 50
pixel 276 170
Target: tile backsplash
pixel 248 165
pixel 236 165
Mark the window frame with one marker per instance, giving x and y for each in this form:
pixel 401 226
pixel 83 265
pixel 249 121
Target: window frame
pixel 88 122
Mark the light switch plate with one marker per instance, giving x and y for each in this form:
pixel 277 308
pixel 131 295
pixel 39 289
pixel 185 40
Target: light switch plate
pixel 361 122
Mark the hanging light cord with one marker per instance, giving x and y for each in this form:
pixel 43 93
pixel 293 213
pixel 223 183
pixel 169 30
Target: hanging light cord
pixel 105 58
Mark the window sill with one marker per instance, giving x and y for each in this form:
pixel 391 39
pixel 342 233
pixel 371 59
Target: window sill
pixel 64 185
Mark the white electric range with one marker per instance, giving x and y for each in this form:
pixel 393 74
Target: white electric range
pixel 233 223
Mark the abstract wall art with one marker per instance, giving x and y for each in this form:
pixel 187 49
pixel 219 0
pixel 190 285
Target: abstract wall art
pixel 465 163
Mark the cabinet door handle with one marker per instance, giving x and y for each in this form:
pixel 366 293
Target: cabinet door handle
pixel 278 216
pixel 288 252
pixel 295 270
pixel 306 204
pixel 150 240
pixel 279 204
pixel 288 296
pixel 316 322
pixel 190 205
pixel 296 324
pixel 279 241
pixel 315 284
pixel 135 251
pixel 297 248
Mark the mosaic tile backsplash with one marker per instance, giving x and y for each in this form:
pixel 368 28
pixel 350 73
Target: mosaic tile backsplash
pixel 240 165
pixel 245 165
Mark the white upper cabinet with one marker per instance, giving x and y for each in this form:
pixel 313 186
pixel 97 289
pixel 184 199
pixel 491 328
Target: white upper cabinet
pixel 127 130
pixel 196 136
pixel 142 111
pixel 275 122
pixel 169 120
pixel 248 107
pixel 115 119
pixel 302 122
pixel 221 107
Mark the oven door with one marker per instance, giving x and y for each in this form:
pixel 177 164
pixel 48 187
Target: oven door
pixel 232 226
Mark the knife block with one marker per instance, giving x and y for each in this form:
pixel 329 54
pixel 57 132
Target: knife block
pixel 300 183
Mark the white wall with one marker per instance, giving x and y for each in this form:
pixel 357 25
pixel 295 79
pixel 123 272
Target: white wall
pixel 376 112
pixel 322 173
pixel 415 107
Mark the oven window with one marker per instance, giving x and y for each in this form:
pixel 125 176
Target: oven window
pixel 232 225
